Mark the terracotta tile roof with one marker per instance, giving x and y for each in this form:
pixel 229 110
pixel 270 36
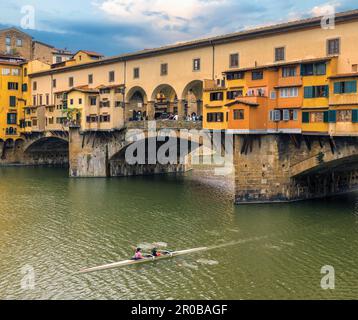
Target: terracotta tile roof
pixel 110 86
pixel 281 64
pixel 238 101
pixel 90 53
pixel 344 75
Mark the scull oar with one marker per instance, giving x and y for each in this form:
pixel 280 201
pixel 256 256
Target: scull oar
pixel 144 260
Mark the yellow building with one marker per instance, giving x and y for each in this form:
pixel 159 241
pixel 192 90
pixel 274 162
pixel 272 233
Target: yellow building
pixel 28 112
pixel 10 99
pixel 343 105
pixel 315 77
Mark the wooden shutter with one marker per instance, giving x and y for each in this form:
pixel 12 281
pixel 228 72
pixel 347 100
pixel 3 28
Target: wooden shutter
pixel 332 116
pixel 305 117
pixel 308 92
pixel 337 87
pixel 355 115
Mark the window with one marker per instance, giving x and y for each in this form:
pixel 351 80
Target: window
pixel 71 102
pixel 231 95
pixel 8 41
pixel 58 59
pixel 15 72
pixel 257 75
pixel 79 101
pixel 333 46
pixel 289 115
pixel 34 86
pixel 19 42
pixel 288 92
pixel 54 83
pixel 61 120
pixel 345 87
pixel 280 54
pixel 92 119
pixel 12 101
pixel 12 86
pixel 275 115
pixel 289 72
pixel 196 64
pixel 239 114
pixel 258 92
pixel 215 117
pixel 216 96
pixel 34 122
pixel 136 73
pixel 50 120
pixel 354 67
pixel 6 72
pixel 311 69
pixel 273 95
pixel 90 78
pixel 105 118
pixel 316 116
pixel 40 99
pixel 104 104
pixel 320 69
pixel 11 118
pixel 24 87
pixel 235 75
pixel 316 92
pixel 70 82
pixel 344 115
pixel 234 60
pixel 164 69
pixel 111 76
pixel 25 72
pixel 93 101
pixel 47 99
pixel 104 91
pixel 34 100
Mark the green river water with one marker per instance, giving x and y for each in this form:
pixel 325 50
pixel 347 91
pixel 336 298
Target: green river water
pixel 58 225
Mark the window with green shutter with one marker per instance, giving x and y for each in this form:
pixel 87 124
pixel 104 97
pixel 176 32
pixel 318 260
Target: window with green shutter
pixel 308 92
pixel 12 101
pixel 305 117
pixel 355 115
pixel 325 116
pixel 332 116
pixel 351 86
pixel 337 87
pixel 345 87
pixel 11 118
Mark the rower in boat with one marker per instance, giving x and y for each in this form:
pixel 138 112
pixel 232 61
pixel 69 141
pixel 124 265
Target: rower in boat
pixel 138 254
pixel 156 253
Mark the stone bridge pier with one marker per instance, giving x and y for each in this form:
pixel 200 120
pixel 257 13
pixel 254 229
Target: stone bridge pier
pixel 102 154
pixel 282 168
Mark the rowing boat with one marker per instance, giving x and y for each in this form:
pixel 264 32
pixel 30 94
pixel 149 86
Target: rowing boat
pixel 166 255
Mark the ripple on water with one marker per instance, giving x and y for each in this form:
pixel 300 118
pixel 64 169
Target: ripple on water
pixel 59 225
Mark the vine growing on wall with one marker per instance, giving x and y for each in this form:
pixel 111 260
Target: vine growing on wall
pixel 72 115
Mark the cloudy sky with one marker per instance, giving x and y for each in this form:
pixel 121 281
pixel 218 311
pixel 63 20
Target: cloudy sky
pixel 117 26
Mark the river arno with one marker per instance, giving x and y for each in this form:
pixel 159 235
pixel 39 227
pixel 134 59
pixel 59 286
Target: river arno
pixel 58 225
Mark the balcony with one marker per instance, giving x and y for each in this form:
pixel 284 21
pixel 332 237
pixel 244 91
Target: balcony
pixel 212 85
pixel 343 99
pixel 295 81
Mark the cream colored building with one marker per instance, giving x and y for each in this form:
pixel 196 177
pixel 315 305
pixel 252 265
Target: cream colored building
pixel 166 79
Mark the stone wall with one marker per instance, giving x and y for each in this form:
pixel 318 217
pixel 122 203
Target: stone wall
pixel 14 154
pixel 25 50
pixel 278 168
